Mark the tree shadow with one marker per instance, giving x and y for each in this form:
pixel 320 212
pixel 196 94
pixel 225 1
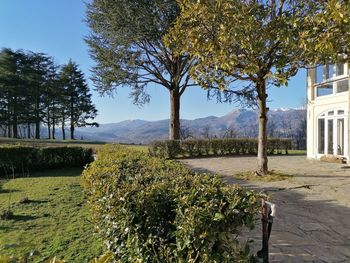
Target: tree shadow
pixel 310 226
pixel 20 218
pixel 306 230
pixel 9 191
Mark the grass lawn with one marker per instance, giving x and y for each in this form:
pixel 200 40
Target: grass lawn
pixel 272 176
pixel 55 221
pixel 59 143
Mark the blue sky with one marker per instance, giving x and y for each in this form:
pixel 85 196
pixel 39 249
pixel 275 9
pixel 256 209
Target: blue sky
pixel 56 27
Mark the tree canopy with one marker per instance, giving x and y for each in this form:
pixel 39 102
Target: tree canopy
pixel 127 44
pixel 33 94
pixel 245 46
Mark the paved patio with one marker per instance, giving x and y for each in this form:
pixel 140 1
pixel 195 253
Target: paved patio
pixel 313 222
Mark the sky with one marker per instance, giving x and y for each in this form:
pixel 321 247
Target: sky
pixel 57 28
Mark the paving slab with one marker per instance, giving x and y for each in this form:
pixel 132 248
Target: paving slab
pixel 313 222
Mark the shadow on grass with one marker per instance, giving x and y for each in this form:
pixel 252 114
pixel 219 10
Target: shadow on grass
pixel 8 191
pixel 20 218
pixel 34 202
pixel 57 172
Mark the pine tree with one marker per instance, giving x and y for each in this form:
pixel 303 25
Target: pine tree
pixel 76 98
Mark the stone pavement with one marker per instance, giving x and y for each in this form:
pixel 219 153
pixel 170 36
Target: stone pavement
pixel 313 208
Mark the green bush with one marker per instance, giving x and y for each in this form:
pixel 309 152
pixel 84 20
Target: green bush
pixel 216 147
pixel 21 159
pixel 149 209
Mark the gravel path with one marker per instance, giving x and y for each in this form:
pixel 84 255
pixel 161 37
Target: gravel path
pixel 312 223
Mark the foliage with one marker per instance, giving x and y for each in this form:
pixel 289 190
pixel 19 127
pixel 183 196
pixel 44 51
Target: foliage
pixel 149 209
pixel 55 222
pixel 78 106
pixel 126 42
pixel 240 47
pixel 33 95
pixel 23 159
pixel 215 147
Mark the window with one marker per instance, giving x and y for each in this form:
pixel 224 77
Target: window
pixel 330 137
pixel 324 90
pixel 329 71
pixel 340 69
pixel 341 112
pixel 321 133
pixel 340 136
pixel 319 74
pixel 342 86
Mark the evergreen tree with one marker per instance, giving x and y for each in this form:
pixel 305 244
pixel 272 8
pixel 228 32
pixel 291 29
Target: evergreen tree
pixel 76 98
pixel 127 44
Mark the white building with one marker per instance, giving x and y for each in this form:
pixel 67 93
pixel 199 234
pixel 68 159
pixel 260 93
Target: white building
pixel 328 111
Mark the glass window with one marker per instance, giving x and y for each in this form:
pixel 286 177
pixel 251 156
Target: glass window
pixel 340 112
pixel 319 74
pixel 342 86
pixel 330 137
pixel 329 71
pixel 324 90
pixel 340 69
pixel 321 134
pixel 340 137
pixel 330 113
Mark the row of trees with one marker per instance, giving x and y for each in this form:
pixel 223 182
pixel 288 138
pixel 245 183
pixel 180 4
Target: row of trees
pixel 35 92
pixel 235 49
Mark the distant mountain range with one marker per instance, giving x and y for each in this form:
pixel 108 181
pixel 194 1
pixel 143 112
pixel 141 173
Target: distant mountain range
pixel 238 123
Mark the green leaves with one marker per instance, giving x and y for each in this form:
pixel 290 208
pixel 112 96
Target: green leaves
pixel 149 209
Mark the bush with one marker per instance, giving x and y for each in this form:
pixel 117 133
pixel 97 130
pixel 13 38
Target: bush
pixel 149 209
pixel 216 147
pixel 20 159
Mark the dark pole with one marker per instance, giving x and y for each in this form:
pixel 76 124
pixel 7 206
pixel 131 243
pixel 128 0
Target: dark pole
pixel 265 232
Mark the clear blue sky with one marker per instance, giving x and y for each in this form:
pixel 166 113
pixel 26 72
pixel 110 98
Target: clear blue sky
pixel 56 27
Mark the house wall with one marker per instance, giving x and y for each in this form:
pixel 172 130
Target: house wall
pixel 318 105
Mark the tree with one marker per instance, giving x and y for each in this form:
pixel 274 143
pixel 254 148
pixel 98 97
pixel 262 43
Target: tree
pixel 255 43
pixel 127 43
pixel 78 106
pixel 12 84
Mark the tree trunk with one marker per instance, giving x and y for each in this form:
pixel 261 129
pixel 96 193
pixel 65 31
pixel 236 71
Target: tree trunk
pixel 15 120
pixel 28 130
pixel 53 128
pixel 174 127
pixel 262 138
pixel 48 123
pixel 37 119
pixel 49 129
pixel 63 130
pixel 72 131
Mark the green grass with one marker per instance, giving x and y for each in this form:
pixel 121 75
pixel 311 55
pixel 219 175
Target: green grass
pixel 297 152
pixel 271 177
pixel 54 223
pixel 54 143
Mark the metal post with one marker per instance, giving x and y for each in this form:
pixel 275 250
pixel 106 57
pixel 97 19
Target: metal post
pixel 265 231
pixel 268 212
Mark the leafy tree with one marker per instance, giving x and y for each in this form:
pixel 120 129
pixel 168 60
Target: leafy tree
pixel 126 42
pixel 78 106
pixel 251 43
pixel 39 86
pixel 12 83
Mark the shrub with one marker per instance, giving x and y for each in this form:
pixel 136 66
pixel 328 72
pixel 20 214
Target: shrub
pixel 167 149
pixel 217 147
pixel 149 209
pixel 20 159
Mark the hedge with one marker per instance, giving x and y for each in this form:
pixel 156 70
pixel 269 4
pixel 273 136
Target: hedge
pixel 149 209
pixel 216 147
pixel 22 159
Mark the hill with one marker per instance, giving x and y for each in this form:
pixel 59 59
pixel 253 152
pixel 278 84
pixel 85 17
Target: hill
pixel 238 123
